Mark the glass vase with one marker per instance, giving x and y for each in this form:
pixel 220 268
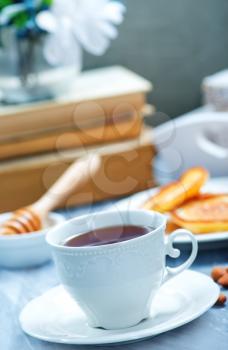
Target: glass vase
pixel 25 75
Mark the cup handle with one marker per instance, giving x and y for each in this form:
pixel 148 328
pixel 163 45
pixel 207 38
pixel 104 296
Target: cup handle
pixel 175 253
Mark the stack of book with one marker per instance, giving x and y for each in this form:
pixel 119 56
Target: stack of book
pixel 103 113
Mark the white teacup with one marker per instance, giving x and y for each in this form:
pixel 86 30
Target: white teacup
pixel 114 284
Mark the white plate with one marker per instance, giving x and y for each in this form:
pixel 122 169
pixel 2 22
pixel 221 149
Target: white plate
pixel 216 185
pixel 55 317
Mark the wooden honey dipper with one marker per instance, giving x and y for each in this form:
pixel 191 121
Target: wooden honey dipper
pixel 30 218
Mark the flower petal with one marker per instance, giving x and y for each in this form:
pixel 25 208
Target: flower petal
pixel 92 40
pixel 107 29
pixel 62 48
pixel 90 6
pixel 46 21
pixel 114 12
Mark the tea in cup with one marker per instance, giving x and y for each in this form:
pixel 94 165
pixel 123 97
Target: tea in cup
pixel 113 263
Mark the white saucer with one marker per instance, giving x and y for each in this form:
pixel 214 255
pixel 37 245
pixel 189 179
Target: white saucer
pixel 55 317
pixel 216 185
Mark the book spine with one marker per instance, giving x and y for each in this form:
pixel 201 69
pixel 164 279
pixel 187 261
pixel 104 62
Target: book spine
pixel 57 116
pixel 70 138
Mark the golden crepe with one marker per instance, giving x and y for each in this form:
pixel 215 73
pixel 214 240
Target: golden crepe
pixel 176 193
pixel 208 213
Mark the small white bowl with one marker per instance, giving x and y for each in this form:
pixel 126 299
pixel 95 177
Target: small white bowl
pixel 26 250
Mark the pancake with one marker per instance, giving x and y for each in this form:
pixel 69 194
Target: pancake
pixel 206 214
pixel 176 193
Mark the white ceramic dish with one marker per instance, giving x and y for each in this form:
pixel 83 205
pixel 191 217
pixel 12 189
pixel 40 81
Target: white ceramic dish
pixel 55 317
pixel 196 138
pixel 26 250
pixel 216 185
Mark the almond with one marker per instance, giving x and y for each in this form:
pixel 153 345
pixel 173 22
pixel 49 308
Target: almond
pixel 221 300
pixel 217 272
pixel 223 281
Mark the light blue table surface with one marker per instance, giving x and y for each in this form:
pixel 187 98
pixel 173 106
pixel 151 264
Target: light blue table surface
pixel 17 287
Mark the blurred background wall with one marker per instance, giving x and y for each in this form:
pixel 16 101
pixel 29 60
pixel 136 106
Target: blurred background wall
pixel 173 43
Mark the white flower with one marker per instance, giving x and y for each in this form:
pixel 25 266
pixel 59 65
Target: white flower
pixel 76 23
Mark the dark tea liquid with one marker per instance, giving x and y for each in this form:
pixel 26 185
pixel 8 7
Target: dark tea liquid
pixel 107 235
